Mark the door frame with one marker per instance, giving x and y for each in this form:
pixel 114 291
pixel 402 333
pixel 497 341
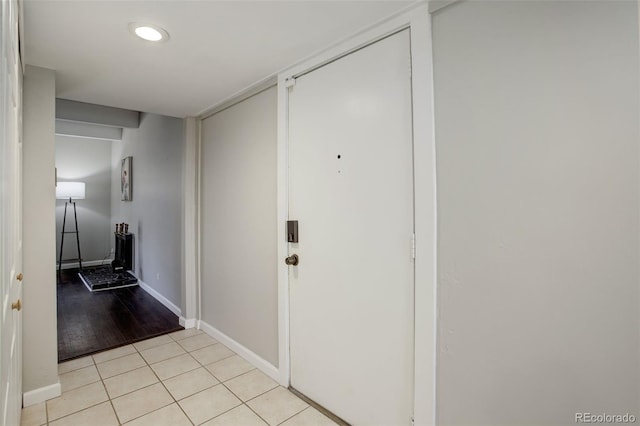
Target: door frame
pixel 417 18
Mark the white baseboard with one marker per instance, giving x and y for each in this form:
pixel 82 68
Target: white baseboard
pixel 265 366
pixel 187 322
pixel 160 298
pixel 41 394
pixel 85 263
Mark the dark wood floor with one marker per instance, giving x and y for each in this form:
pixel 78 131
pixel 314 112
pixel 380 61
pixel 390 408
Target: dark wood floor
pixel 92 322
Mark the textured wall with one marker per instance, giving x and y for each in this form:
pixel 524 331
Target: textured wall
pixel 537 166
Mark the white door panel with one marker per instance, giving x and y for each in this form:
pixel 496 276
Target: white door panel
pixel 10 216
pixel 351 189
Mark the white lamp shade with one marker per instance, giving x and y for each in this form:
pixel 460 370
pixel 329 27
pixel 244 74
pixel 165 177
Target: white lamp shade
pixel 66 190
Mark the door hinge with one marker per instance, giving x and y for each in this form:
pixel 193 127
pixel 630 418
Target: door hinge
pixel 290 82
pixel 413 246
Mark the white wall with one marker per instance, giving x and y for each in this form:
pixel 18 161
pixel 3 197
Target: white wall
pixel 238 224
pixel 86 160
pixel 155 214
pixel 537 166
pixel 40 336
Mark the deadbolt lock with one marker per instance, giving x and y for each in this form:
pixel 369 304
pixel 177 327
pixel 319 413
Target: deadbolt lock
pixel 292 260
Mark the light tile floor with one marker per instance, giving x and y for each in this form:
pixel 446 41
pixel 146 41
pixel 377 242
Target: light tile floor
pixel 183 378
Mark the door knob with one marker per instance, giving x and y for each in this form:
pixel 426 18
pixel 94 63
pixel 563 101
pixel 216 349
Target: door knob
pixel 292 260
pixel 19 277
pixel 16 305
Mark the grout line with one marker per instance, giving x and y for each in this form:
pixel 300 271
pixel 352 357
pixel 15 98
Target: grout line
pixel 71 390
pixel 167 390
pixel 230 378
pixel 79 411
pixel 196 349
pixel 251 399
pixel 204 365
pixel 254 397
pixel 223 413
pixel 289 418
pixel 122 374
pixel 179 374
pixel 76 369
pixel 256 413
pixel 115 413
pixel 193 335
pixel 111 359
pixel 148 386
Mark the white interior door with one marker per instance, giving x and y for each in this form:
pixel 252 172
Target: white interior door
pixel 10 218
pixel 351 189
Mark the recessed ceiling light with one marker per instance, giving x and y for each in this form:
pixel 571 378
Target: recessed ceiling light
pixel 149 32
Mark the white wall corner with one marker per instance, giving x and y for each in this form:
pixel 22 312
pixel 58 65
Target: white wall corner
pixel 187 322
pixel 190 218
pixel 425 205
pixel 257 361
pixel 41 394
pixel 160 298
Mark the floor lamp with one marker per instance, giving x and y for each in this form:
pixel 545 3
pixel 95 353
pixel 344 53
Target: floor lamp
pixel 70 191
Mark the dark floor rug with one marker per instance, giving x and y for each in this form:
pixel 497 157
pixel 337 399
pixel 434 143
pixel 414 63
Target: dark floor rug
pixel 100 278
pixel 90 322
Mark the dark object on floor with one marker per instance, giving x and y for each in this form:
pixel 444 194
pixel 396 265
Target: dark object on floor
pixel 124 250
pixel 90 322
pixel 107 277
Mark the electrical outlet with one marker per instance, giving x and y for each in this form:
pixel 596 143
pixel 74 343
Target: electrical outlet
pixel 157 277
pixel 113 250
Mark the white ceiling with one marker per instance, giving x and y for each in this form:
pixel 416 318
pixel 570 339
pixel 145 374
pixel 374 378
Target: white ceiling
pixel 216 48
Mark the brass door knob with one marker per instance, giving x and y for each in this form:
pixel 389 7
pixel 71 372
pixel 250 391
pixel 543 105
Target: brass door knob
pixel 292 260
pixel 19 277
pixel 16 305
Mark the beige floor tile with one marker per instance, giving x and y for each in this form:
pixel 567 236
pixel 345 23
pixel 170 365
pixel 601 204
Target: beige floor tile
pixel 212 353
pixel 160 353
pixel 141 402
pixel 129 381
pixel 229 368
pixel 196 342
pixel 75 364
pixel 250 385
pixel 309 417
pixel 183 334
pixel 175 366
pixel 189 383
pixel 151 343
pixel 120 365
pixel 76 400
pixel 239 416
pixel 34 415
pixel 171 415
pixel 114 353
pixel 99 415
pixel 277 405
pixel 209 403
pixel 77 378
